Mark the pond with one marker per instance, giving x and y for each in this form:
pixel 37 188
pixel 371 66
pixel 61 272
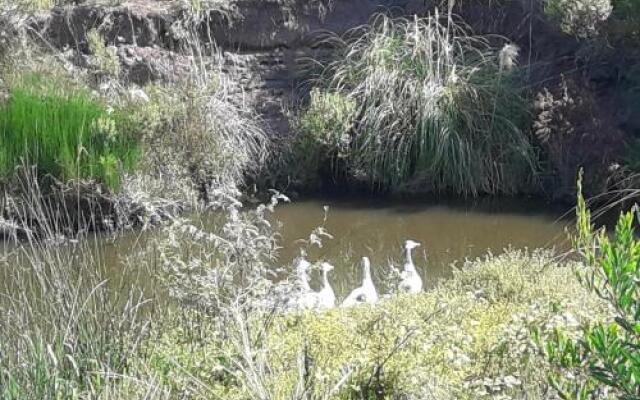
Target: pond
pixel 449 232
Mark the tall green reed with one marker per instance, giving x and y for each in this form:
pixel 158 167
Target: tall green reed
pixel 64 133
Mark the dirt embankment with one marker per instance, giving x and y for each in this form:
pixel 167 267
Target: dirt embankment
pixel 264 43
pixel 267 46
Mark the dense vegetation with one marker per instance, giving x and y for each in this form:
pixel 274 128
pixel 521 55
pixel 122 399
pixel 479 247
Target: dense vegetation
pixel 421 104
pixel 404 105
pixel 606 353
pixel 68 135
pixel 468 338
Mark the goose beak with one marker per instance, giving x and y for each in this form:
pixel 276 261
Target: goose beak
pixel 411 244
pixel 327 267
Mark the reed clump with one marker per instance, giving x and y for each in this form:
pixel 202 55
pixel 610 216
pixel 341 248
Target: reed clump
pixel 435 109
pixel 68 330
pixel 64 132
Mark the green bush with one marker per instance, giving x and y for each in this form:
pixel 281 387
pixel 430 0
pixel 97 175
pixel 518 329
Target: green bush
pixel 64 133
pixel 469 338
pixel 324 140
pixel 605 354
pixel 581 18
pixel 433 109
pixel 105 60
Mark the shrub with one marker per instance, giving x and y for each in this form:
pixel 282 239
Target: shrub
pixel 624 21
pixel 434 109
pixel 65 134
pixel 581 18
pixel 469 338
pixel 323 142
pixel 105 60
pixel 196 135
pixel 605 354
pixel 574 131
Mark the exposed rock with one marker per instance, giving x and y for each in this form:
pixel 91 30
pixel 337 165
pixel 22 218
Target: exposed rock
pixel 147 64
pixel 262 41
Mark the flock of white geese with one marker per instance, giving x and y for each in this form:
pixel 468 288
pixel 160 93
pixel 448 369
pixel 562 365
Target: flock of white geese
pixel 325 298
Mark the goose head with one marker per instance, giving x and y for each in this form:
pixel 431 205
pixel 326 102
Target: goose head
pixel 326 267
pixel 303 266
pixel 410 244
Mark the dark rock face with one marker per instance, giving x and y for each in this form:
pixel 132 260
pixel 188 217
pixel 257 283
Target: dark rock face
pixel 262 41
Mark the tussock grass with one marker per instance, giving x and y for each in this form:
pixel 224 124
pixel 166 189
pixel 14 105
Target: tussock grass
pixel 66 332
pixel 436 108
pixel 66 134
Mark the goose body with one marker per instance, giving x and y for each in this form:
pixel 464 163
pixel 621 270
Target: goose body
pixel 302 273
pixel 411 281
pixel 326 295
pixel 367 292
pixel 307 298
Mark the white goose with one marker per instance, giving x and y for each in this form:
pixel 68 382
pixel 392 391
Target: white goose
pixel 411 281
pixel 306 298
pixel 326 296
pixel 302 272
pixel 365 293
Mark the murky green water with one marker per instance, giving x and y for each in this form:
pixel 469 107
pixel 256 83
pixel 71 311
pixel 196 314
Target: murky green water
pixel 448 231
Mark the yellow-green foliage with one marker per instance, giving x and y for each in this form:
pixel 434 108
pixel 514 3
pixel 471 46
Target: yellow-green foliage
pixel 33 5
pixel 579 17
pixel 105 59
pixel 468 338
pixel 323 136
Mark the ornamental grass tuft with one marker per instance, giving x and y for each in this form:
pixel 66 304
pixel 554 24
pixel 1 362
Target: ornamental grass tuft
pixel 434 109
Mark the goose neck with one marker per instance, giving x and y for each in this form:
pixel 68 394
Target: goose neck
pixel 408 266
pixel 325 278
pixel 367 272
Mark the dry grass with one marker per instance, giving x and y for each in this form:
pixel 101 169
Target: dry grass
pixel 435 109
pixel 66 331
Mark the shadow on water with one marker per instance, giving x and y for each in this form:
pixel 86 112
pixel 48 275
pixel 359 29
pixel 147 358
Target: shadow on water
pixel 449 230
